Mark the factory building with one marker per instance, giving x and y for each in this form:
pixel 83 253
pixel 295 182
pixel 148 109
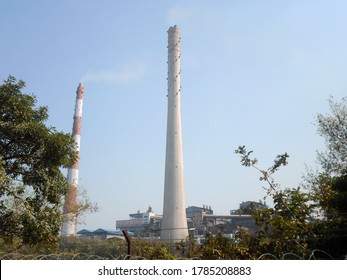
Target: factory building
pixel 99 234
pixel 200 220
pixel 141 222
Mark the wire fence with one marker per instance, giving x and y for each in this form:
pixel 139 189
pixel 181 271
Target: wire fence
pixel 315 255
pixel 64 256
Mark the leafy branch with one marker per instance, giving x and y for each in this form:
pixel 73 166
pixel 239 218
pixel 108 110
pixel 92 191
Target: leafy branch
pixel 286 219
pixel 246 160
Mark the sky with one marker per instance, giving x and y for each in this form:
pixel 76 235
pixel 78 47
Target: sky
pixel 253 73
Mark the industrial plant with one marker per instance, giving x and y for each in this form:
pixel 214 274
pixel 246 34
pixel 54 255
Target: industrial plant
pixel 199 220
pixel 177 222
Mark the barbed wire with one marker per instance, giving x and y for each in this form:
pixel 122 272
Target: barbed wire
pixel 314 255
pixel 61 256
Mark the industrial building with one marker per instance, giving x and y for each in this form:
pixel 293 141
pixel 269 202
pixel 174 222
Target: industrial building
pixel 141 223
pixel 100 234
pixel 177 222
pixel 200 220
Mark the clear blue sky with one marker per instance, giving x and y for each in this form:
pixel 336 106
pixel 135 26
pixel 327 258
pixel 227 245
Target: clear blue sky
pixel 254 73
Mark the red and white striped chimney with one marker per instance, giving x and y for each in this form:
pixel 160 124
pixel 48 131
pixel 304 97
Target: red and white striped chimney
pixel 70 219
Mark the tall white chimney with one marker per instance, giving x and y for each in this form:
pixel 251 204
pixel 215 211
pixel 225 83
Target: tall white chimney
pixel 174 224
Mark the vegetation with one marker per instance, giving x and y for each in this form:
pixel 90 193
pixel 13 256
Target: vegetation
pixel 250 208
pixel 315 216
pixel 109 249
pixel 285 227
pixel 329 185
pixel 32 184
pixel 306 219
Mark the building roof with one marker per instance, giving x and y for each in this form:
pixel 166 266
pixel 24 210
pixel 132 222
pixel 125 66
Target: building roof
pixel 83 231
pixel 102 231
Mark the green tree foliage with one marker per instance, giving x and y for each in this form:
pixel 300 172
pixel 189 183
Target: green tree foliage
pixel 333 128
pixel 329 185
pixel 112 248
pixel 285 227
pixel 32 155
pixel 216 248
pixel 152 250
pixel 84 206
pixel 314 218
pixel 250 208
pixel 331 227
pixel 219 247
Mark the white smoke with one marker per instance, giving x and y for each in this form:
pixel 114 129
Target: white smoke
pixel 190 16
pixel 130 72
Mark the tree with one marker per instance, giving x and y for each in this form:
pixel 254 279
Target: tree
pixel 32 155
pixel 285 227
pixel 329 185
pixel 331 227
pixel 302 221
pixel 152 250
pixel 250 207
pixel 333 128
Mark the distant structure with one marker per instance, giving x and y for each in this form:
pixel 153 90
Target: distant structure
pixel 200 220
pixel 69 225
pixel 100 234
pixel 141 222
pixel 249 208
pixel 174 224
